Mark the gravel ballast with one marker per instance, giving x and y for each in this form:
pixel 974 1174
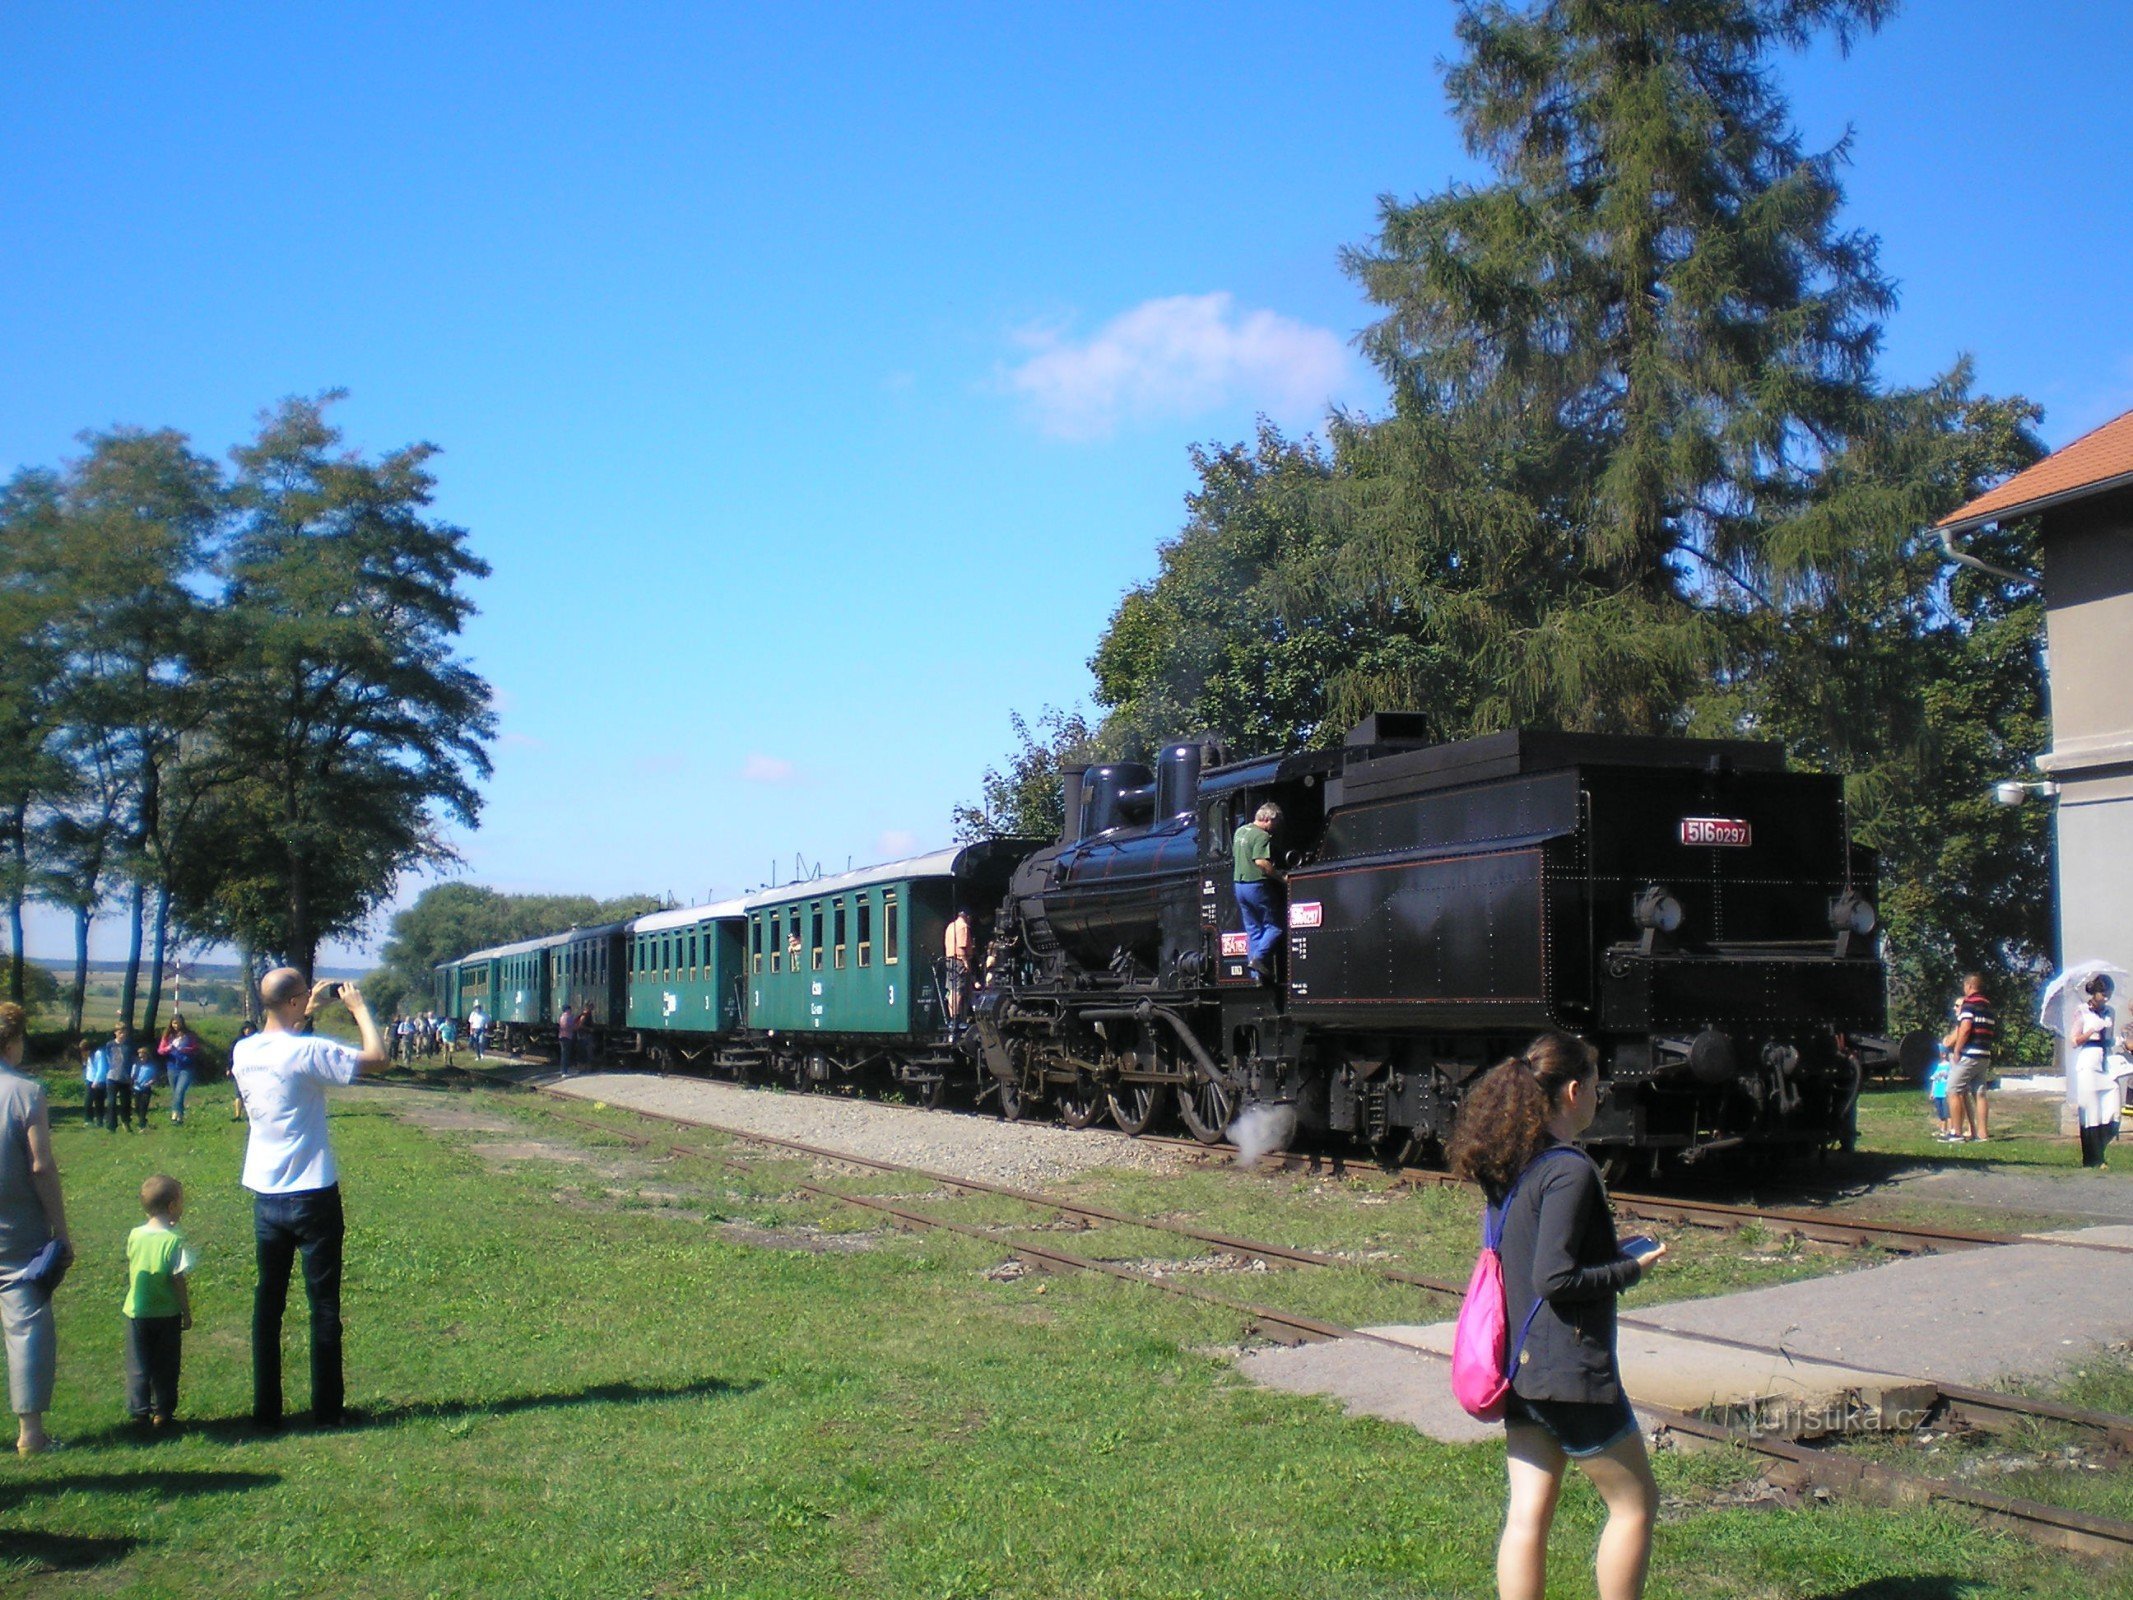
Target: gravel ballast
pixel 962 1146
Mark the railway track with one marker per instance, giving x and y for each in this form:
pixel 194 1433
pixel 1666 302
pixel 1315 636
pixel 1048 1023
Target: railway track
pixel 1791 1466
pixel 1822 1227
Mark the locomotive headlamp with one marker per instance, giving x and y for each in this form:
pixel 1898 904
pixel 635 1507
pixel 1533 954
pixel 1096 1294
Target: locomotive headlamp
pixel 1657 910
pixel 1852 912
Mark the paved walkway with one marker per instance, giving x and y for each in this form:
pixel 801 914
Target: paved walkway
pixel 1855 1344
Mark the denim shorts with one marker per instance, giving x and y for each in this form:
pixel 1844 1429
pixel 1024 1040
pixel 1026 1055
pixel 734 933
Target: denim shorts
pixel 1581 1427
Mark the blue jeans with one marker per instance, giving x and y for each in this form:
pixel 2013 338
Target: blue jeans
pixel 181 1079
pixel 1260 905
pixel 308 1221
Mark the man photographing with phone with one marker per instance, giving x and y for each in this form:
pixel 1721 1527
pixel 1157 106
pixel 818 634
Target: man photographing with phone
pixel 283 1073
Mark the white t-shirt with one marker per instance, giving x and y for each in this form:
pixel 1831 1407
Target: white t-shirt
pixel 283 1078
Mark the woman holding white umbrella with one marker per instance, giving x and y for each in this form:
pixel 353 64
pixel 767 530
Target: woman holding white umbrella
pixel 2088 1080
pixel 2087 1027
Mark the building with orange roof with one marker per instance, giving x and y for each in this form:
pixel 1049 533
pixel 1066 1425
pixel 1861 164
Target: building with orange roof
pixel 2083 498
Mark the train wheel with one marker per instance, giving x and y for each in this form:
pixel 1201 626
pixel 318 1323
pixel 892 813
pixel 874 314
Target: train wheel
pixel 1135 1106
pixel 1084 1104
pixel 1013 1105
pixel 1206 1107
pixel 934 1095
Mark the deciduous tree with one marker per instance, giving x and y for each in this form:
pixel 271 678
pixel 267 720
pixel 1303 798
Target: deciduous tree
pixel 356 729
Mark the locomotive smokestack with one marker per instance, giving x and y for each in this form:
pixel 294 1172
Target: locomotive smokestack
pixel 1070 797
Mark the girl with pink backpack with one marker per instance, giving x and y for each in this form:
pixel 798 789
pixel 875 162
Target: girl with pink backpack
pixel 1549 1242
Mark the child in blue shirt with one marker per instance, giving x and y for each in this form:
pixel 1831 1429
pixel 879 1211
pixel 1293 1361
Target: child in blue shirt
pixel 145 1068
pixel 95 1081
pixel 1937 1088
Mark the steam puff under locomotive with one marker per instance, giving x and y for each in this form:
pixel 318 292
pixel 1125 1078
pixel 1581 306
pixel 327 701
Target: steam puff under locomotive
pixel 1697 911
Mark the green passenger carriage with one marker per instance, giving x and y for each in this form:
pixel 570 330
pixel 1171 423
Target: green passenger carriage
pixel 588 970
pixel 840 968
pixel 683 970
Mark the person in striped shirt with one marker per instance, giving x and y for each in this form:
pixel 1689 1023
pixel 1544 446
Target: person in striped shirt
pixel 1970 1044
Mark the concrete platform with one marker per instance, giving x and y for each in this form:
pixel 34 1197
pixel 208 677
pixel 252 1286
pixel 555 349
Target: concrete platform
pixel 1372 1380
pixel 1851 1351
pixel 1772 1392
pixel 1972 1316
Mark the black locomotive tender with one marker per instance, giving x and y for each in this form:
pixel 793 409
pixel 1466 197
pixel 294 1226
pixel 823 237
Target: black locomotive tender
pixel 1689 905
pixel 1696 910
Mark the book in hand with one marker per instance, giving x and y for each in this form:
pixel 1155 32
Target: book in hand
pixel 1639 1246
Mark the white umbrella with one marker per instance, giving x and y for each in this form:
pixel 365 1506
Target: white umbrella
pixel 2063 998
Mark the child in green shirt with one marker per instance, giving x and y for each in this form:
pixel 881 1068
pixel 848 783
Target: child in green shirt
pixel 158 1308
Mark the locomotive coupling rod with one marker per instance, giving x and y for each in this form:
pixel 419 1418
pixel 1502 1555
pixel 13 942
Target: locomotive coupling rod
pixel 1177 1024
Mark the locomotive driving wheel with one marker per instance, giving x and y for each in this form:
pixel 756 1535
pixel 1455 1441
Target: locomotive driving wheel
pixel 1206 1107
pixel 1014 1093
pixel 1082 1103
pixel 1135 1106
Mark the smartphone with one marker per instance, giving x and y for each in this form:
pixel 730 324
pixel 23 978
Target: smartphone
pixel 333 990
pixel 1640 1245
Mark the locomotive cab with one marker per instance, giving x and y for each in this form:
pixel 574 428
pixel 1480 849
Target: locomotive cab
pixel 1228 800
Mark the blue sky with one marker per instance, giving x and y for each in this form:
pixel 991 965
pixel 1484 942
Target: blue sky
pixel 817 377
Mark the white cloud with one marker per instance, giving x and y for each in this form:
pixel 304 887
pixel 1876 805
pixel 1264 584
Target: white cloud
pixel 1178 356
pixel 759 768
pixel 896 843
pixel 520 741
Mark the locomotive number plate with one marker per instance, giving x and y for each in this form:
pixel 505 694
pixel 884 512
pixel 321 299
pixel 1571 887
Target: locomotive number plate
pixel 1307 914
pixel 1728 832
pixel 1236 944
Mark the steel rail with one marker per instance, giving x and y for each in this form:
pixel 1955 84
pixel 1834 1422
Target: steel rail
pixel 1820 1227
pixel 1797 1466
pixel 1823 1228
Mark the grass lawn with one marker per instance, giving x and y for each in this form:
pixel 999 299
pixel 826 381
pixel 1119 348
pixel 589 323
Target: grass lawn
pixel 579 1384
pixel 2025 1130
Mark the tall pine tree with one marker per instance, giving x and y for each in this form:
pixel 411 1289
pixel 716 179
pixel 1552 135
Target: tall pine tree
pixel 1649 330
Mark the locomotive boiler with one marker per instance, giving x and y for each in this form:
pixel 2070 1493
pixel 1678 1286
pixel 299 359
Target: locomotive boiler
pixel 1691 906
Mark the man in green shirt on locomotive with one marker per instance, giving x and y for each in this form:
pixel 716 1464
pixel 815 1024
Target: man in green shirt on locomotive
pixel 1257 882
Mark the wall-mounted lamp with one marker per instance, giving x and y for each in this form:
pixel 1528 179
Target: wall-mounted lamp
pixel 2013 792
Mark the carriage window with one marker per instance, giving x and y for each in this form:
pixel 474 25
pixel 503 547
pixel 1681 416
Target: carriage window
pixel 837 931
pixel 777 939
pixel 866 928
pixel 814 936
pixel 692 956
pixel 889 941
pixel 755 943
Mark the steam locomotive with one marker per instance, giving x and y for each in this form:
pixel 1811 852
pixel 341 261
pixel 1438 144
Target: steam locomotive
pixel 1696 910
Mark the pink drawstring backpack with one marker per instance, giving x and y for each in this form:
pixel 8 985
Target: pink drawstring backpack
pixel 1482 1356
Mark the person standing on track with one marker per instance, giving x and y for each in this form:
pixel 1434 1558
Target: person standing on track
pixel 1257 882
pixel 1562 1271
pixel 1970 1045
pixel 566 1037
pixel 283 1073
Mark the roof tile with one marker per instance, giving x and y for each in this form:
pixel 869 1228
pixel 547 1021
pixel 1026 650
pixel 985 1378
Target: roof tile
pixel 2098 459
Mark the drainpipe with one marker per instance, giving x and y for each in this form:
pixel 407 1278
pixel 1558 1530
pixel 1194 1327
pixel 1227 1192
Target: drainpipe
pixel 1966 559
